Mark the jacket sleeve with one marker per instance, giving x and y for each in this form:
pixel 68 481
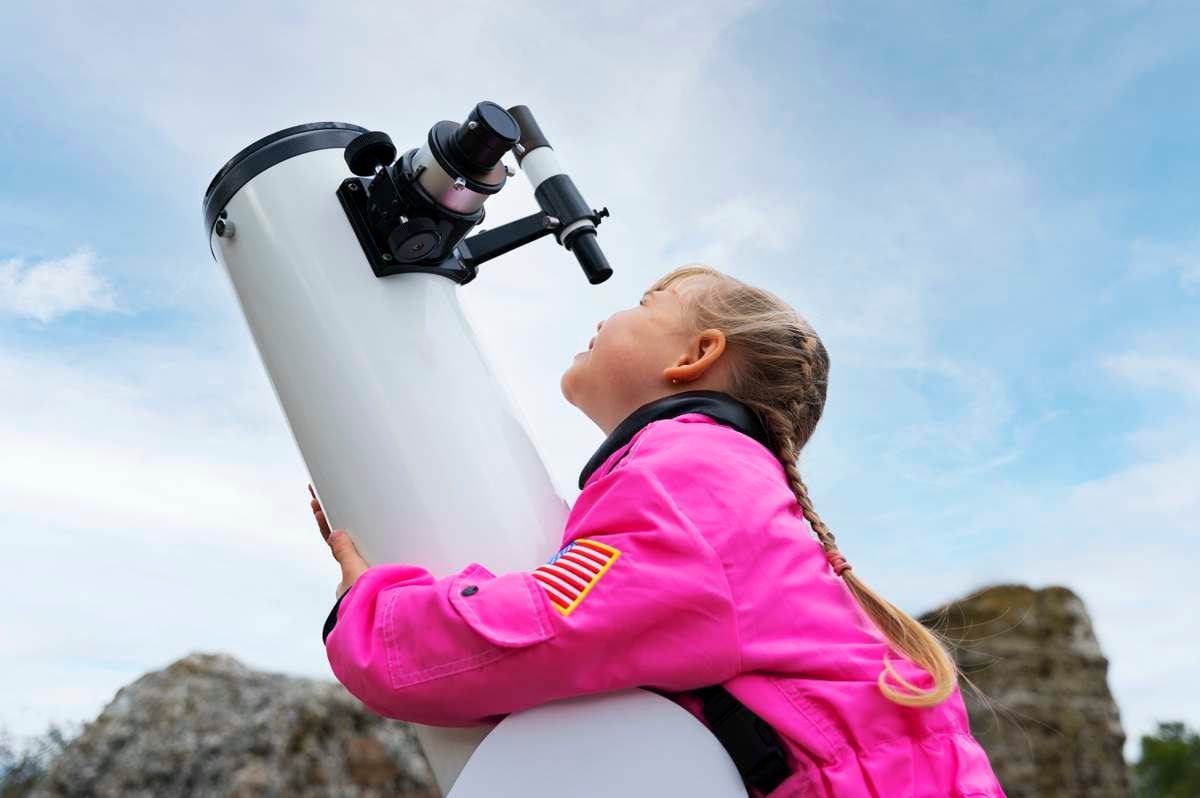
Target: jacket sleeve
pixel 636 598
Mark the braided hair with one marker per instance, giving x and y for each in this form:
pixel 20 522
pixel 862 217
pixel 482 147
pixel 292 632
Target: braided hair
pixel 779 368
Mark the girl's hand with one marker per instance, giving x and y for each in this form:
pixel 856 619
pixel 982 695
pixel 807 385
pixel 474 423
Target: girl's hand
pixel 341 545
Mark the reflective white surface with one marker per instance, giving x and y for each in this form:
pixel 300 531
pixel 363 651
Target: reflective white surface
pixel 539 165
pixel 413 444
pixel 628 744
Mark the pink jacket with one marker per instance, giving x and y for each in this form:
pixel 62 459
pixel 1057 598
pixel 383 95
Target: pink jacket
pixel 686 562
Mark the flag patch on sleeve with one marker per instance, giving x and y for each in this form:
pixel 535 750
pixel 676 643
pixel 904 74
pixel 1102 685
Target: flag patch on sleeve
pixel 569 575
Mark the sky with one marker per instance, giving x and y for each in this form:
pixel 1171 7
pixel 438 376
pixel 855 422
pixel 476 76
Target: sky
pixel 987 213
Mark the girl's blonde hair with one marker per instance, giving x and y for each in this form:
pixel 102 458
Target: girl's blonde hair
pixel 779 368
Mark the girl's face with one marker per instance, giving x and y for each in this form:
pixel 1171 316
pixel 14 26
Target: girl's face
pixel 637 352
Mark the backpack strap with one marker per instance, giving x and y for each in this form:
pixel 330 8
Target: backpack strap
pixel 751 742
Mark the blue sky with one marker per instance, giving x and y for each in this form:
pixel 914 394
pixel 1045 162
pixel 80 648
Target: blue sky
pixel 986 212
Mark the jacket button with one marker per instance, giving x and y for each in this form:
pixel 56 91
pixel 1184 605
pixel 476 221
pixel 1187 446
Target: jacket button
pixel 470 590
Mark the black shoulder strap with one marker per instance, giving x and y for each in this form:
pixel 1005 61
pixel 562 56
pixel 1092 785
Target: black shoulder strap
pixel 750 740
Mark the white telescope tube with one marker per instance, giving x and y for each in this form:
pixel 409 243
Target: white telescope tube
pixel 420 453
pixel 412 443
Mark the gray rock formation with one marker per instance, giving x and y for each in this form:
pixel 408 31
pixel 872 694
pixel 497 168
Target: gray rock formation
pixel 209 726
pixel 1055 731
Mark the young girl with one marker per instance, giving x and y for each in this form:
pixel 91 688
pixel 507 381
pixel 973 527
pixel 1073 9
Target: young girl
pixel 692 558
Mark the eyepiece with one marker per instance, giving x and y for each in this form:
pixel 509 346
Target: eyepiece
pixel 488 133
pixel 590 256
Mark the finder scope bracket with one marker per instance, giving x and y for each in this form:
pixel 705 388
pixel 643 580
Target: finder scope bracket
pixel 488 244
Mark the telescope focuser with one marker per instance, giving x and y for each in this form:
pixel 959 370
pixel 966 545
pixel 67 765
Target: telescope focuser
pixel 413 214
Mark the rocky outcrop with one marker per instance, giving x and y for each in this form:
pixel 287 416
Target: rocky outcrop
pixel 1046 718
pixel 208 725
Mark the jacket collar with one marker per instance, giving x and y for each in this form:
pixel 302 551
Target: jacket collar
pixel 717 405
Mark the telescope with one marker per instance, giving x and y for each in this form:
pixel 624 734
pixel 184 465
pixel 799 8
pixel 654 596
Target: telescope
pixel 346 262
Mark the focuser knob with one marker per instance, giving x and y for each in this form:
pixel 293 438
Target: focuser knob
pixel 370 152
pixel 414 240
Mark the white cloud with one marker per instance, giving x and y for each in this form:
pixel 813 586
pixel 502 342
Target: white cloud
pixel 1189 277
pixel 1127 544
pixel 1174 373
pixel 48 289
pixel 760 223
pixel 152 496
pixel 161 483
pixel 1149 258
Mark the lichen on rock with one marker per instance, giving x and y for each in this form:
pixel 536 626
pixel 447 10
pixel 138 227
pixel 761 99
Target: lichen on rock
pixel 209 725
pixel 1048 719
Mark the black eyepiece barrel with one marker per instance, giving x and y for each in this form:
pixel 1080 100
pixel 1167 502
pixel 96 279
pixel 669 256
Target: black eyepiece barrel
pixel 488 133
pixel 590 256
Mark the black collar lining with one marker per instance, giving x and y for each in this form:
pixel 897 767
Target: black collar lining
pixel 717 405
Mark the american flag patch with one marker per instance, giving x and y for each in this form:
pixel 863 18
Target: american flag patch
pixel 569 575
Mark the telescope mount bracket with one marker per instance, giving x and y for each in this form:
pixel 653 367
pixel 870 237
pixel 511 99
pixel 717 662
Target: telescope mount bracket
pixel 356 202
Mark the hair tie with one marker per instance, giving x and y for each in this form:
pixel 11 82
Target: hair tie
pixel 837 562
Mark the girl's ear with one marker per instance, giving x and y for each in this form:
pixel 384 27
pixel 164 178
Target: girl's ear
pixel 706 351
pixel 709 346
pixel 712 343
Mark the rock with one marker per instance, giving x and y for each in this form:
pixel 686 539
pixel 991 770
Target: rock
pixel 1055 730
pixel 208 725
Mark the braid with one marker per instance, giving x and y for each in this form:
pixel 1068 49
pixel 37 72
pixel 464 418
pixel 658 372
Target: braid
pixel 779 368
pixel 783 433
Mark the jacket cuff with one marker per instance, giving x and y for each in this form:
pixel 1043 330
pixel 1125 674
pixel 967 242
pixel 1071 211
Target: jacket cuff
pixel 331 621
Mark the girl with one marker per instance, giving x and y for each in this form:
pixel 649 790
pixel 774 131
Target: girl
pixel 689 561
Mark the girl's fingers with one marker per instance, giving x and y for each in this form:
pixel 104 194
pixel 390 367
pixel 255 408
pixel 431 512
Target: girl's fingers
pixel 343 547
pixel 352 563
pixel 322 523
